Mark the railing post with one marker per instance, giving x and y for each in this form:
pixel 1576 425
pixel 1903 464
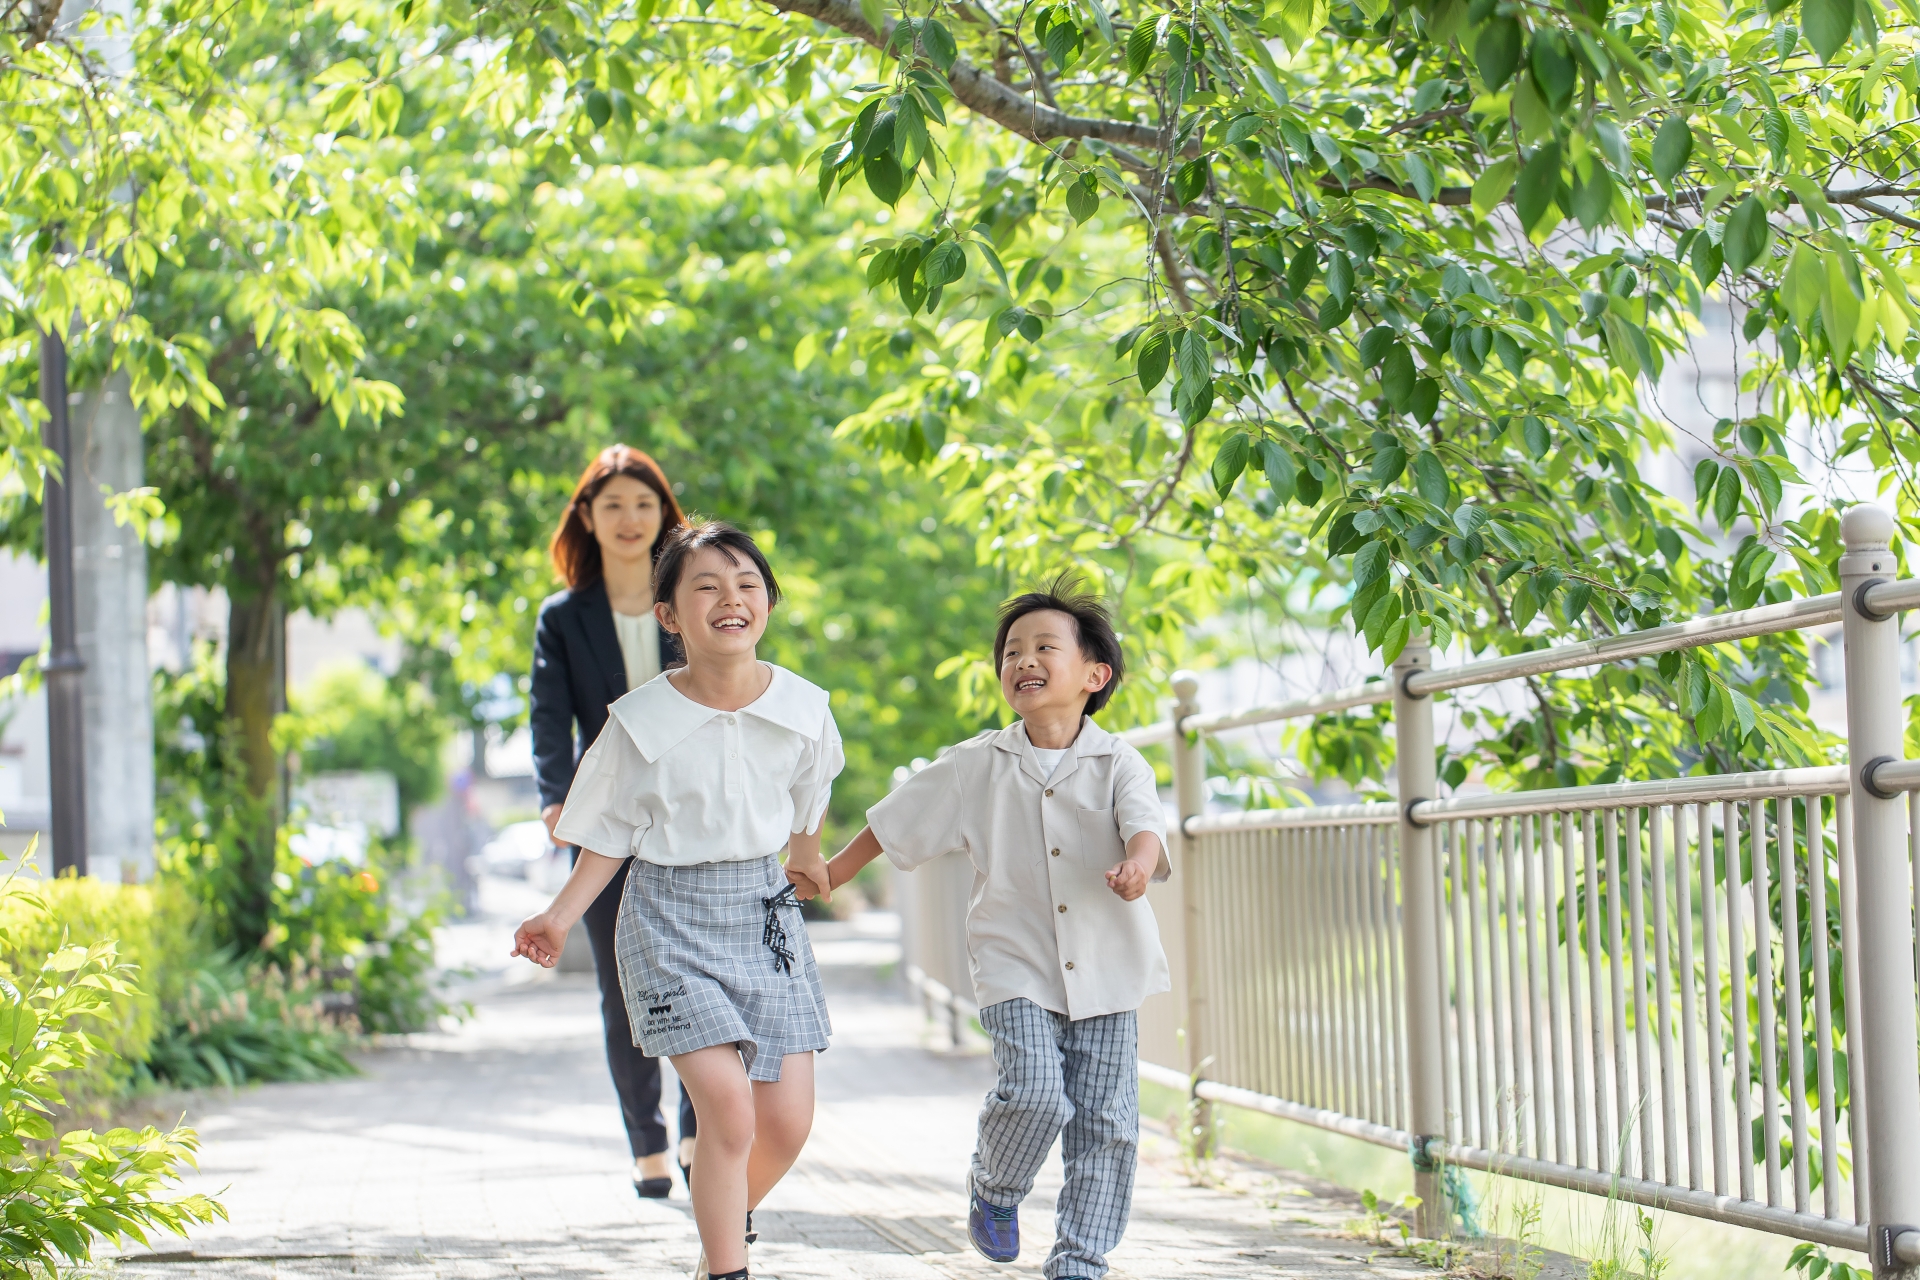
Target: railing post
pixel 1414 768
pixel 1189 755
pixel 1885 937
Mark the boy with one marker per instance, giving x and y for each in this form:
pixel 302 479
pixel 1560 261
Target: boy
pixel 1065 828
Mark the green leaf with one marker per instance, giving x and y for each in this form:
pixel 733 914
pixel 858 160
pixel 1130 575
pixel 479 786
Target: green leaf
pixel 1426 400
pixel 1191 361
pixel 875 13
pixel 1430 477
pixel 1491 187
pixel 1230 462
pixel 939 44
pixel 1340 277
pixel 1672 148
pixel 1278 463
pixel 1705 473
pixel 1804 285
pixel 1746 236
pixel 599 108
pixel 1140 44
pixel 1388 462
pixel 1538 183
pixel 1593 197
pixel 1190 179
pixel 1497 52
pixel 1574 603
pixel 1370 564
pixel 1150 360
pixel 944 265
pixel 1396 376
pixel 1726 498
pixel 1083 197
pixel 884 177
pixel 1553 67
pixel 1374 344
pixel 1827 24
pixel 1766 484
pixel 1241 128
pixel 1538 440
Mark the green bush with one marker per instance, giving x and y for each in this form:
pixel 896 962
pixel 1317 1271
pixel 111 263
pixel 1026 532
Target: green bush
pixel 349 716
pixel 232 1023
pixel 58 1197
pixel 351 927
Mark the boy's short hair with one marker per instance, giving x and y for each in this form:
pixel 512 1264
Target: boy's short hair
pixel 1092 622
pixel 679 546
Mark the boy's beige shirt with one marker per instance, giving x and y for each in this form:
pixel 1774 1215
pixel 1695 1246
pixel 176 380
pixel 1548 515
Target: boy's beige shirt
pixel 1041 921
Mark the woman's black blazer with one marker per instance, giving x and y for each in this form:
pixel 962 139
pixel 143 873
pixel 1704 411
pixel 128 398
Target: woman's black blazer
pixel 577 670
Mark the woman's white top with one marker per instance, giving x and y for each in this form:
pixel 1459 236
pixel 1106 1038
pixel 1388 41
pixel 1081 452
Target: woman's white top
pixel 639 646
pixel 674 782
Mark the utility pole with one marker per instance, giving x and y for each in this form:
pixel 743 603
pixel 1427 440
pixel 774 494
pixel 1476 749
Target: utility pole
pixel 65 714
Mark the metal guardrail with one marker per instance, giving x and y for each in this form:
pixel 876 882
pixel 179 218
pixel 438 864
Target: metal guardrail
pixel 1604 988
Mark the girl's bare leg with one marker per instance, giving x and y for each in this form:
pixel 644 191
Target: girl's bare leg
pixel 724 1099
pixel 783 1116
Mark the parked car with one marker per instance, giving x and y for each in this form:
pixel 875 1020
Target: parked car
pixel 516 850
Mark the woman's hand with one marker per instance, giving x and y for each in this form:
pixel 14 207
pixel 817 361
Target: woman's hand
pixel 540 939
pixel 551 816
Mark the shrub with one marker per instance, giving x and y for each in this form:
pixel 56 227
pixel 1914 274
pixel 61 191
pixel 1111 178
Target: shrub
pixel 58 1197
pixel 231 1024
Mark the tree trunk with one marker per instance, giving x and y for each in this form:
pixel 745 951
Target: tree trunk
pixel 256 641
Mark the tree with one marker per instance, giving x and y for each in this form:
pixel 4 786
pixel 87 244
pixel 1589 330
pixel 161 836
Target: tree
pixel 1388 278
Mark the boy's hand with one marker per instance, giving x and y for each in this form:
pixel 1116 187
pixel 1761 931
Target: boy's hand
pixel 1129 880
pixel 540 939
pixel 808 875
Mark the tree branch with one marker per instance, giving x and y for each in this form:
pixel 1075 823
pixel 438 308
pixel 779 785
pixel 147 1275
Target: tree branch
pixel 981 93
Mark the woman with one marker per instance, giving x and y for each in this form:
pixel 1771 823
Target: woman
pixel 594 641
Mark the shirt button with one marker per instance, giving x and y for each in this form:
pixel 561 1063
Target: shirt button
pixel 1049 790
pixel 1069 964
pixel 1054 852
pixel 1063 908
pixel 731 720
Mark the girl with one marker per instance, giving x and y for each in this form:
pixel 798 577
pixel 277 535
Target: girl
pixel 700 776
pixel 595 641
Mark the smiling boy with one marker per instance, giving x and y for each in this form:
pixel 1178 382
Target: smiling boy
pixel 1064 826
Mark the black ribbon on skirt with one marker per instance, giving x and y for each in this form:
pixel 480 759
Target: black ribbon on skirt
pixel 774 936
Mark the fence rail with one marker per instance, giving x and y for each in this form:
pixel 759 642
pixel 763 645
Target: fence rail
pixel 1696 993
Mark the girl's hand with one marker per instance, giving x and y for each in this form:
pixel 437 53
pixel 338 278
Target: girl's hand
pixel 808 875
pixel 540 939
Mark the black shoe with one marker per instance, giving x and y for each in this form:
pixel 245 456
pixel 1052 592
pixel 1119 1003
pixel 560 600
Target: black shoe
pixel 752 1235
pixel 686 1175
pixel 653 1188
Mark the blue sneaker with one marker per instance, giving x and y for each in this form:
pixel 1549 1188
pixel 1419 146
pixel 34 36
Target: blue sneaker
pixel 995 1231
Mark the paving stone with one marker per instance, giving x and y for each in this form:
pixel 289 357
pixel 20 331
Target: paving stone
pixel 493 1150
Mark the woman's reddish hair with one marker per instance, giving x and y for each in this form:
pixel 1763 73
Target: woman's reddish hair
pixel 575 553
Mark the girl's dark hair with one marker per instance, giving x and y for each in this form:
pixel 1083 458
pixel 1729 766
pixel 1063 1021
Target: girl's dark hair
pixel 676 550
pixel 574 550
pixel 1092 623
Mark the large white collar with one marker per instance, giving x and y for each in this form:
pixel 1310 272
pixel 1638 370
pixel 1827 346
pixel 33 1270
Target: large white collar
pixel 658 717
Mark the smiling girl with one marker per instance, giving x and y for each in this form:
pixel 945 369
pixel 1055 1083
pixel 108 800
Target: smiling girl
pixel 702 775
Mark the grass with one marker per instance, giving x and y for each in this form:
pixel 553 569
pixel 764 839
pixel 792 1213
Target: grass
pixel 1610 1233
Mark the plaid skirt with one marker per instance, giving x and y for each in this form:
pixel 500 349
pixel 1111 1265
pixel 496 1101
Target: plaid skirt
pixel 715 953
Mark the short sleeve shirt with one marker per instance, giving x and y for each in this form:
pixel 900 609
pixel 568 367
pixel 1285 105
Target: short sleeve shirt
pixel 1042 923
pixel 675 782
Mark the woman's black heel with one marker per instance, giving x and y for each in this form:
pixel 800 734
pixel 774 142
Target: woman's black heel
pixel 653 1188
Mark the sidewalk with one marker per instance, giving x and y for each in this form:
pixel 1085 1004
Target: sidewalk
pixel 494 1150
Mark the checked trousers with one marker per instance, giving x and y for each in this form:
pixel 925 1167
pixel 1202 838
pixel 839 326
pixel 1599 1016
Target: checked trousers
pixel 1076 1081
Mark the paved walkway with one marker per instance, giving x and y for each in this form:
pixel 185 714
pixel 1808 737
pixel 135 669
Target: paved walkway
pixel 493 1150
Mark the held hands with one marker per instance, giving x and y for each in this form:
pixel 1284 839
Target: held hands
pixel 808 875
pixel 540 939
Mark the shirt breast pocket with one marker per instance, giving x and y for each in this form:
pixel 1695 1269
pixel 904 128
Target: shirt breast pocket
pixel 1100 846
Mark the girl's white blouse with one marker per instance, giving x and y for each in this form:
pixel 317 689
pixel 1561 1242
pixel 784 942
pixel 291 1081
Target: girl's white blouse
pixel 673 782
